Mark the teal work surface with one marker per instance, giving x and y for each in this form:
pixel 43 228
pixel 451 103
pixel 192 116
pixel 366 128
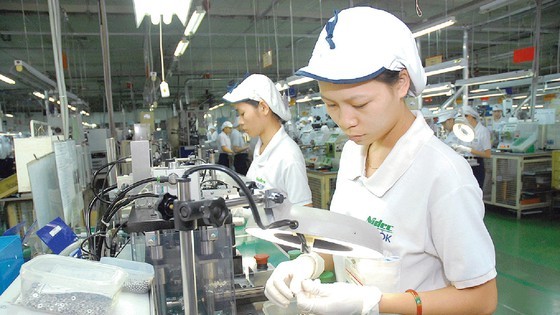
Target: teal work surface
pixel 249 246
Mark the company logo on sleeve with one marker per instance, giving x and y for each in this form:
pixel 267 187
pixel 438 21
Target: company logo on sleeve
pixel 385 229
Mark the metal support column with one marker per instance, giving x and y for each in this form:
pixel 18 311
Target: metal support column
pixel 104 33
pixel 536 66
pixel 466 68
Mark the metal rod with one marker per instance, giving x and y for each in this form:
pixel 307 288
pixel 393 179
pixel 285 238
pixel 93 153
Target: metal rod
pixel 104 33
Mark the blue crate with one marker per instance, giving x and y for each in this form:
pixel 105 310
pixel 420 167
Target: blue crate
pixel 11 259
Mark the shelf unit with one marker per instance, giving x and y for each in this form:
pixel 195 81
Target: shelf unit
pixel 520 182
pixel 322 185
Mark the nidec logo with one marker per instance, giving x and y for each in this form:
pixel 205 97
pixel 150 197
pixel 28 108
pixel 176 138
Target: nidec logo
pixel 385 229
pixel 261 183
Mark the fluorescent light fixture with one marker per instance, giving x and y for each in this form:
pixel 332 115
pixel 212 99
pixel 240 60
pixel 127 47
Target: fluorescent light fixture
pixel 216 107
pixel 471 96
pixel 519 97
pixel 31 76
pixel 181 47
pixel 9 115
pixel 507 76
pixel 432 27
pixel 494 5
pixel 440 93
pixel 444 67
pixel 194 21
pixel 162 8
pixel 480 90
pixel 296 80
pixel 39 95
pixel 438 87
pixel 304 99
pixel 322 233
pixel 6 79
pixel 551 77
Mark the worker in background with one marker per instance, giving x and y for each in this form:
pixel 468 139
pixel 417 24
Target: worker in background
pixel 224 145
pixel 447 120
pixel 211 137
pixel 480 147
pixel 496 124
pixel 241 160
pixel 395 174
pixel 277 160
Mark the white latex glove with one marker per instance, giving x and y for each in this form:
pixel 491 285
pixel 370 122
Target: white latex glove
pixel 463 149
pixel 285 281
pixel 338 298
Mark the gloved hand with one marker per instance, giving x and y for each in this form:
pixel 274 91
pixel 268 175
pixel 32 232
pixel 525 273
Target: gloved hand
pixel 285 280
pixel 463 149
pixel 338 298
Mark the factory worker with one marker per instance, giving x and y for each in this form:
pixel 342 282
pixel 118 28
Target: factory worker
pixel 447 120
pixel 396 175
pixel 480 147
pixel 224 144
pixel 241 148
pixel 211 137
pixel 277 160
pixel 496 124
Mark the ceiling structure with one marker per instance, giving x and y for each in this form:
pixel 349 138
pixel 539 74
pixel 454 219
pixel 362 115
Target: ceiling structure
pixel 232 39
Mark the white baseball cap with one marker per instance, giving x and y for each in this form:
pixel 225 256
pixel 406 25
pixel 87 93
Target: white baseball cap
pixel 444 116
pixel 258 87
pixel 467 110
pixel 359 43
pixel 226 124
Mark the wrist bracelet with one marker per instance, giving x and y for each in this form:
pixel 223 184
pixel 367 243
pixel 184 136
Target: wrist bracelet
pixel 417 300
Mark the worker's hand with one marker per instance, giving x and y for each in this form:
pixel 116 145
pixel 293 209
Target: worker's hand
pixel 285 281
pixel 463 149
pixel 338 298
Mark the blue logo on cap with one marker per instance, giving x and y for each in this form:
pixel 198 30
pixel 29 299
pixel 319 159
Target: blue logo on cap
pixel 330 29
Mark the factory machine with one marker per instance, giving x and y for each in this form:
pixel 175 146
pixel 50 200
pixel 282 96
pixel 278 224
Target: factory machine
pixel 518 137
pixel 178 219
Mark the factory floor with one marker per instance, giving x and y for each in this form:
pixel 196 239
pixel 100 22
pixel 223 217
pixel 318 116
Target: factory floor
pixel 528 261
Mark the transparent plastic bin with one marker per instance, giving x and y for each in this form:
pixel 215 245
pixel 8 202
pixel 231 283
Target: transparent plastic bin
pixel 66 285
pixel 140 274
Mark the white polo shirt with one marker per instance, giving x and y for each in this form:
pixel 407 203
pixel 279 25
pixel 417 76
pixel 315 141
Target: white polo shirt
pixel 481 140
pixel 427 207
pixel 223 140
pixel 281 166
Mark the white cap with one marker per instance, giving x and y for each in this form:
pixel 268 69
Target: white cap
pixel 467 110
pixel 258 87
pixel 226 124
pixel 444 116
pixel 360 43
pixel 211 127
pixel 497 107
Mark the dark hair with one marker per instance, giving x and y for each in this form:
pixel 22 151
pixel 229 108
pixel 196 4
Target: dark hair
pixel 388 77
pixel 256 104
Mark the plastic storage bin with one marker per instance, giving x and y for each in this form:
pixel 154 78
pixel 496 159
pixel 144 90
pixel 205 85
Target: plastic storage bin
pixel 66 285
pixel 140 274
pixel 11 259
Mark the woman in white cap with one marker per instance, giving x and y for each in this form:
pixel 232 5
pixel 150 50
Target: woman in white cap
pixel 224 144
pixel 396 175
pixel 496 124
pixel 447 120
pixel 277 160
pixel 241 160
pixel 479 148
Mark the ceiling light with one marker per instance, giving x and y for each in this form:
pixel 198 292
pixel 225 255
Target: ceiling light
pixel 471 97
pixel 432 27
pixel 39 95
pixel 9 115
pixel 296 79
pixel 157 9
pixel 31 76
pixel 181 47
pixel 440 93
pixel 194 21
pixel 438 87
pixel 551 77
pixel 507 76
pixel 6 79
pixel 444 67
